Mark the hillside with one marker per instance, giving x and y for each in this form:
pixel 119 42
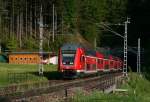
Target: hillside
pixel 78 38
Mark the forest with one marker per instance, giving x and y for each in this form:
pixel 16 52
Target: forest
pixel 19 21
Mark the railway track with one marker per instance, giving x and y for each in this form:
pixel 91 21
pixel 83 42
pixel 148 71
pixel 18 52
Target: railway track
pixel 100 82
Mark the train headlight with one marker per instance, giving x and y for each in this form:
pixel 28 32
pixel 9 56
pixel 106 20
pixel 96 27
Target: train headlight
pixel 71 62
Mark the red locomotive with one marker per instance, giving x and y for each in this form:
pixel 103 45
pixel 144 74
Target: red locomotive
pixel 75 60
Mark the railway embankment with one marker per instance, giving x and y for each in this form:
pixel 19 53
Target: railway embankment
pixel 65 90
pixel 135 88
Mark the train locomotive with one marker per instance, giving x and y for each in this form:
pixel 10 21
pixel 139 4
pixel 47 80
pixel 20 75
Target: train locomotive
pixel 74 60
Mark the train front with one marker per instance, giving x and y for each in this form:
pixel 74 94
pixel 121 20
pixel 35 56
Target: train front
pixel 69 60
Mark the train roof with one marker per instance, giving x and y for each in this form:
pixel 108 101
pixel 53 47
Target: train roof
pixel 71 46
pixel 74 46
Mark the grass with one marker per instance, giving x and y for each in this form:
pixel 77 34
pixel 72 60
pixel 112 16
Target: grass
pixel 138 87
pixel 138 91
pixel 9 73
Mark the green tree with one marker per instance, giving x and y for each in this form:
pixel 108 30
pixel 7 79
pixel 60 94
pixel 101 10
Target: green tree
pixel 69 15
pixel 90 13
pixel 12 44
pixel 31 44
pixel 73 16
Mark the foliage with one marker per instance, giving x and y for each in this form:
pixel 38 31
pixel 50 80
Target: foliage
pixel 12 44
pixel 73 16
pixel 54 46
pixel 69 15
pixel 92 12
pixel 31 44
pixel 138 91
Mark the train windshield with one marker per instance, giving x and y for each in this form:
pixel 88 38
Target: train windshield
pixel 68 58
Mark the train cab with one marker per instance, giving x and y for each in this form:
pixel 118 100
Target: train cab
pixel 71 60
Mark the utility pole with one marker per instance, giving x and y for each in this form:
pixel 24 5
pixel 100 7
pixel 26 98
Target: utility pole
pixel 53 22
pixel 0 21
pixel 56 21
pixel 41 43
pixel 95 43
pixel 139 57
pixel 0 47
pixel 0 16
pixel 125 65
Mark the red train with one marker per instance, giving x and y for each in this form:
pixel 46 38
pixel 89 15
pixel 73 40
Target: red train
pixel 75 60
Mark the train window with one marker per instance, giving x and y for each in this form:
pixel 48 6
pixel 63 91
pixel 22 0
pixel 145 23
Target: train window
pixel 68 51
pixel 90 52
pixel 111 62
pixel 68 59
pixel 88 66
pixel 82 58
pixel 100 61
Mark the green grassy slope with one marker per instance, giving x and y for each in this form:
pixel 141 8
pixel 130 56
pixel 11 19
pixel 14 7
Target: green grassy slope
pixel 9 73
pixel 138 91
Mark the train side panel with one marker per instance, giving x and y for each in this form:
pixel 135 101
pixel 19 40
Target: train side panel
pixel 90 63
pixel 100 61
pixel 79 62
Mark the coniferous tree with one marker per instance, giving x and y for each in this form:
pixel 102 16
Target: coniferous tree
pixel 73 16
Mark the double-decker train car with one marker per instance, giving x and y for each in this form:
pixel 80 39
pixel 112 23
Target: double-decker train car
pixel 75 60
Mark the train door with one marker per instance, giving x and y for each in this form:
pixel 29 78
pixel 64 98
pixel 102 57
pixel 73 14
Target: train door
pixel 111 64
pixel 100 64
pixel 106 65
pixel 82 62
pixel 90 64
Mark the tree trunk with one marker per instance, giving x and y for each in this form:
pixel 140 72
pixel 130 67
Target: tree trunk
pixel 26 25
pixel 35 20
pixel 18 26
pixel 31 20
pixel 21 29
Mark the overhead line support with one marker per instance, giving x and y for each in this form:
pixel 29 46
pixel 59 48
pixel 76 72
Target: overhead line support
pixel 125 64
pixel 41 43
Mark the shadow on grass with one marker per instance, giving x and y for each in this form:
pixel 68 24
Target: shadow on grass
pixel 53 75
pixel 4 99
pixel 147 75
